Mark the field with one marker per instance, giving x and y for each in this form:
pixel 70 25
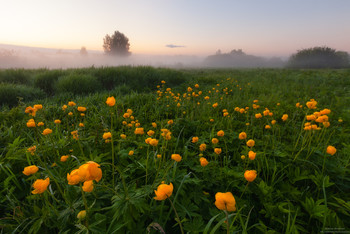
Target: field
pixel 155 150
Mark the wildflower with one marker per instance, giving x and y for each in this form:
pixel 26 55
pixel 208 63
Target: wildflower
pixel 71 104
pixel 30 170
pixel 38 106
pixel 311 104
pixel 47 131
pixel 31 123
pixel 176 157
pixel 203 161
pixel 189 89
pixel 258 115
pixel 88 186
pixel 284 117
pixel 310 117
pixel 331 150
pixel 220 133
pixel 225 201
pixel 163 82
pixel 153 142
pixel 64 107
pixel 74 177
pixel 40 185
pixel 81 125
pixel 195 139
pixel 170 122
pixel 64 158
pixel 147 140
pixel 297 105
pixel 139 131
pixel 325 112
pixel 214 141
pixel 202 147
pixel 75 135
pixel 129 111
pixel 242 110
pixel 70 113
pixel 242 157
pixel 163 191
pixel 150 133
pixel 206 98
pixel 90 171
pixel 57 121
pixel 215 105
pixel 250 175
pixel 250 143
pixel 32 149
pixel 196 86
pixel 247 124
pixel 159 155
pixel 110 101
pixel 81 108
pixel 273 122
pixel 40 124
pixel 326 124
pixel 242 136
pixel 267 126
pixel 251 155
pixel 123 136
pixel 30 110
pixel 107 135
pixel 211 120
pixel 154 125
pixel 81 215
pixel 217 151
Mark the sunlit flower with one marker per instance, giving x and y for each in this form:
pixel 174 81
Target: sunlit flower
pixel 217 151
pixel 220 133
pixel 225 201
pixel 267 126
pixel 170 122
pixel 71 104
pixel 81 108
pixel 110 101
pixel 123 136
pixel 203 161
pixel 250 143
pixel 31 123
pixel 195 139
pixel 64 158
pixel 153 142
pixel 107 135
pixel 88 186
pixel 154 125
pixel 32 149
pixel 242 135
pixel 250 175
pixel 40 124
pixel 150 133
pixel 30 170
pixel 74 177
pixel 40 185
pixel 251 155
pixel 131 153
pixel 284 117
pixel 273 122
pixel 90 171
pixel 30 110
pixel 202 147
pixel 176 157
pixel 81 215
pixel 57 121
pixel 47 131
pixel 64 107
pixel 214 141
pixel 163 191
pixel 258 116
pixel 331 150
pixel 139 131
pixel 311 104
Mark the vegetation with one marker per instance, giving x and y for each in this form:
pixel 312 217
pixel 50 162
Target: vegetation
pixel 203 151
pixel 117 44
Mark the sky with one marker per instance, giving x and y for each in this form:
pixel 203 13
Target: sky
pixel 198 27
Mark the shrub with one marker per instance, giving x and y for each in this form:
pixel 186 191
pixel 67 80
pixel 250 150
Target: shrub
pixel 15 76
pixel 78 84
pixel 47 80
pixel 11 94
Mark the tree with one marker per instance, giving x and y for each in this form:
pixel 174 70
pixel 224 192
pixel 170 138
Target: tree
pixel 117 44
pixel 319 57
pixel 83 51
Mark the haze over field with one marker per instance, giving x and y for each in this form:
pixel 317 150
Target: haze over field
pixel 165 33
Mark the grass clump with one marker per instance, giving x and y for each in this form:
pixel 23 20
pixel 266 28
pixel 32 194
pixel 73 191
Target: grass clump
pixel 11 94
pixel 15 76
pixel 46 80
pixel 78 84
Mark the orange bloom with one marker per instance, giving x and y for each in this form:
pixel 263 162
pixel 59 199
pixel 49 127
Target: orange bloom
pixel 30 170
pixel 242 135
pixel 74 177
pixel 110 101
pixel 154 125
pixel 250 175
pixel 71 104
pixel 40 185
pixel 217 151
pixel 250 143
pixel 214 141
pixel 284 117
pixel 311 104
pixel 30 110
pixel 81 108
pixel 273 122
pixel 195 139
pixel 131 153
pixel 203 161
pixel 90 171
pixel 170 122
pixel 267 126
pixel 258 115
pixel 123 136
pixel 47 131
pixel 81 215
pixel 331 150
pixel 176 157
pixel 57 121
pixel 88 186
pixel 107 135
pixel 220 133
pixel 153 142
pixel 251 155
pixel 150 133
pixel 64 158
pixel 202 147
pixel 163 191
pixel 225 201
pixel 139 131
pixel 31 123
pixel 32 149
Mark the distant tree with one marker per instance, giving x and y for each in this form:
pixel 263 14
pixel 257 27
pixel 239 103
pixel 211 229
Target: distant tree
pixel 319 57
pixel 83 51
pixel 117 44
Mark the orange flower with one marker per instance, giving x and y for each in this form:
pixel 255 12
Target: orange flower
pixel 250 175
pixel 30 170
pixel 325 112
pixel 123 136
pixel 32 149
pixel 88 186
pixel 273 122
pixel 258 115
pixel 31 123
pixel 74 177
pixel 154 125
pixel 71 104
pixel 215 105
pixel 250 143
pixel 284 117
pixel 81 215
pixel 64 107
pixel 75 135
pixel 47 131
pixel 31 111
pixel 57 121
pixel 195 139
pixel 251 155
pixel 163 191
pixel 64 158
pixel 40 185
pixel 153 142
pixel 131 153
pixel 220 133
pixel 81 125
pixel 81 108
pixel 202 147
pixel 214 141
pixel 217 151
pixel 150 133
pixel 311 104
pixel 170 122
pixel 40 124
pixel 203 161
pixel 110 101
pixel 331 150
pixel 90 171
pixel 139 131
pixel 267 126
pixel 107 135
pixel 242 135
pixel 176 157
pixel 225 201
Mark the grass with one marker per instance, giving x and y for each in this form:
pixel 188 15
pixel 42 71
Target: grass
pixel 299 187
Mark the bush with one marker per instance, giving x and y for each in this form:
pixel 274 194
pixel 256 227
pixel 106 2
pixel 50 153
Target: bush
pixel 11 94
pixel 46 81
pixel 78 84
pixel 15 76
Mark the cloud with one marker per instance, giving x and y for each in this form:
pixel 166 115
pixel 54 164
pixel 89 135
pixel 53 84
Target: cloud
pixel 174 46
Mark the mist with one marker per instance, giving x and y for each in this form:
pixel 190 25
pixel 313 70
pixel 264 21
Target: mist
pixel 32 58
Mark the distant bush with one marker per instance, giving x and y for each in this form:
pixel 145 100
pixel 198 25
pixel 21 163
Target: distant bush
pixel 46 81
pixel 15 76
pixel 319 57
pixel 78 84
pixel 10 94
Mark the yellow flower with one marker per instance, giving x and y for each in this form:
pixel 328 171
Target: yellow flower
pixel 131 153
pixel 325 112
pixel 215 105
pixel 311 117
pixel 139 131
pixel 202 147
pixel 258 115
pixel 70 113
pixel 40 185
pixel 311 104
pixel 88 186
pixel 154 125
pixel 64 158
pixel 267 126
pixel 206 98
pixel 159 155
pixel 150 133
pixel 242 157
pixel 47 131
pixel 90 171
pixel 225 201
pixel 30 110
pixel 176 157
pixel 250 175
pixel 57 121
pixel 251 155
pixel 153 142
pixel 211 120
pixel 170 122
pixel 217 151
pixel 147 140
pixel 203 161
pixel 30 170
pixel 284 117
pixel 107 135
pixel 123 136
pixel 81 108
pixel 110 101
pixel 75 135
pixel 250 143
pixel 195 139
pixel 31 123
pixel 71 104
pixel 273 122
pixel 38 106
pixel 163 191
pixel 242 136
pixel 74 177
pixel 64 107
pixel 40 124
pixel 220 133
pixel 331 150
pixel 81 215
pixel 32 149
pixel 214 141
pixel 81 125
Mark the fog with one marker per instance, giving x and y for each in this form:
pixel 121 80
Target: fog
pixel 30 57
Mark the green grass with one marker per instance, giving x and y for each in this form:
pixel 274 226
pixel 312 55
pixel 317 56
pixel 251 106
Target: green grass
pixel 299 188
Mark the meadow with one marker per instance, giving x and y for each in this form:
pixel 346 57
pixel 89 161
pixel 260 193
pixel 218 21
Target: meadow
pixel 156 150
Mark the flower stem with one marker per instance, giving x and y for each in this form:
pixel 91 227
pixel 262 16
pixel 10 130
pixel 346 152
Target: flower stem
pixel 177 216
